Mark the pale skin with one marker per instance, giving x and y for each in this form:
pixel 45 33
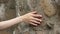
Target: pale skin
pixel 31 18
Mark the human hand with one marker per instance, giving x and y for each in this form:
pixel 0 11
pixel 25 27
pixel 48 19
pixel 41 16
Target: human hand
pixel 32 18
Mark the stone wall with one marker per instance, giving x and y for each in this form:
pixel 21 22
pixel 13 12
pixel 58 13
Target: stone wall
pixel 7 11
pixel 50 9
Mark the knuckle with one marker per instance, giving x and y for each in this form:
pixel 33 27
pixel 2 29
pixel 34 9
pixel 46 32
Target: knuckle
pixel 40 15
pixel 40 20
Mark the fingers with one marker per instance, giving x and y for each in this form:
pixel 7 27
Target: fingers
pixel 34 12
pixel 33 18
pixel 37 16
pixel 36 22
pixel 33 24
pixel 36 19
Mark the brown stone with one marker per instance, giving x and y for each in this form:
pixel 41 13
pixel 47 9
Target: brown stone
pixel 48 7
pixel 39 32
pixel 4 32
pixel 26 33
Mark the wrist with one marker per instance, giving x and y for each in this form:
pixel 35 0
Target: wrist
pixel 21 18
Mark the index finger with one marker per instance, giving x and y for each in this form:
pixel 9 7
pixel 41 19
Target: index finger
pixel 34 12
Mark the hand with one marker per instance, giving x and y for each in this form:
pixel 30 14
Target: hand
pixel 32 18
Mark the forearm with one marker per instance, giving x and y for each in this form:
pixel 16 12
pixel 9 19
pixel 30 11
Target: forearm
pixel 29 18
pixel 8 23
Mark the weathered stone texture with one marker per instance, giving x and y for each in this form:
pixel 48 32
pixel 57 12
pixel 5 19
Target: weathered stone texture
pixel 7 12
pixel 50 10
